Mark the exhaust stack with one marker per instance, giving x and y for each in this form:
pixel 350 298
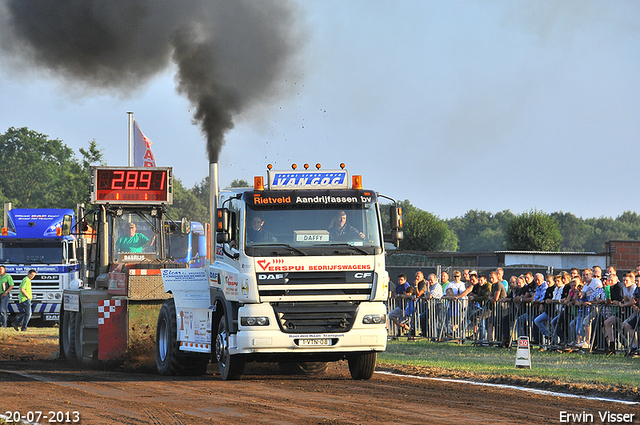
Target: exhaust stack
pixel 213 205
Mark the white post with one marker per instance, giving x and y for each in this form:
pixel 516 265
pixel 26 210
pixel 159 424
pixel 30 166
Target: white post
pixel 130 138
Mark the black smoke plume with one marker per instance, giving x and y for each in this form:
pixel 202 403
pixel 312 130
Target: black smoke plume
pixel 230 54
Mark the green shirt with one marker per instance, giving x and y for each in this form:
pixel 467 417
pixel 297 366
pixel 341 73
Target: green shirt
pixel 26 285
pixel 6 282
pixel 135 243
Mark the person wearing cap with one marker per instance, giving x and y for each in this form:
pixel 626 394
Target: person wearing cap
pixel 132 241
pixel 6 283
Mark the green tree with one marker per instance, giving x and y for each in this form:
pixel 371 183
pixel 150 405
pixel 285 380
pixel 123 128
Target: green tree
pixel 187 204
pixel 424 231
pixel 38 172
pixel 202 192
pixel 239 183
pixel 533 231
pixel 480 231
pixel 575 231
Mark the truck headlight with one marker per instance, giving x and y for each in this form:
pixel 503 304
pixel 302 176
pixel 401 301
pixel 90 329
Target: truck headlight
pixel 254 321
pixel 374 319
pixel 49 296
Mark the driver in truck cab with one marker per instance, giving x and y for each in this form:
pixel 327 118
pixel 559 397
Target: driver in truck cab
pixel 341 231
pixel 132 241
pixel 257 233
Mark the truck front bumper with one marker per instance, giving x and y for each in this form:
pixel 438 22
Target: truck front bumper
pixel 271 339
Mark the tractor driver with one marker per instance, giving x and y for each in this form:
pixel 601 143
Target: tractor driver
pixel 132 241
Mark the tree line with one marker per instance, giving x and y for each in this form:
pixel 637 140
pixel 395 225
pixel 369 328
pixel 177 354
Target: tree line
pixel 39 172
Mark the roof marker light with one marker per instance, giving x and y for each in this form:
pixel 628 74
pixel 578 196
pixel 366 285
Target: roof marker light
pixel 294 166
pixel 357 182
pixel 258 183
pixel 269 166
pixel 342 165
pixel 306 166
pixel 318 166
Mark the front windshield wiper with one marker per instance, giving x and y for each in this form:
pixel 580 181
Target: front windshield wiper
pixel 284 245
pixel 357 248
pixel 149 222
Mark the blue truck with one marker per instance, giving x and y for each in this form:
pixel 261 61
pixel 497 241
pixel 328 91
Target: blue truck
pixel 31 238
pixel 191 247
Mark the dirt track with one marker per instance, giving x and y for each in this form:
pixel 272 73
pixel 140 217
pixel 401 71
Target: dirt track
pixel 31 383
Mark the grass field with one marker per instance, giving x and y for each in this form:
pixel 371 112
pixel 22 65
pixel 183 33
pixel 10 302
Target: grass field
pixel 565 367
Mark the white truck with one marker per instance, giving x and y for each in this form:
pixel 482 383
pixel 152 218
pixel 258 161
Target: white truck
pixel 290 282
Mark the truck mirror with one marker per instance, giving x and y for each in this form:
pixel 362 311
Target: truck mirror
pixel 185 226
pixel 396 225
pixel 223 231
pixel 222 237
pixel 67 222
pixel 396 218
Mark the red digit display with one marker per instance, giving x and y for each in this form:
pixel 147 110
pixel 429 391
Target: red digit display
pixel 131 185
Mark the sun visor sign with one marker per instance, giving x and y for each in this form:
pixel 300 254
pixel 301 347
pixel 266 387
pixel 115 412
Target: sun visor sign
pixel 288 180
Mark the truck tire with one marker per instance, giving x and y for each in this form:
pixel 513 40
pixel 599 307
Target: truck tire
pixel 166 340
pixel 362 365
pixel 230 367
pixel 69 335
pixel 169 359
pixel 79 335
pixel 303 368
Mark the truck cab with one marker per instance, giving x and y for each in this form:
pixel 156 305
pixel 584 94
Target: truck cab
pixel 298 277
pixel 32 239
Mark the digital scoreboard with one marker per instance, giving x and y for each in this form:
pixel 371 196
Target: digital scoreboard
pixel 131 185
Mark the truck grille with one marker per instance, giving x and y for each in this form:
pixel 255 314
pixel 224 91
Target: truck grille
pixel 312 317
pixel 40 282
pixel 315 286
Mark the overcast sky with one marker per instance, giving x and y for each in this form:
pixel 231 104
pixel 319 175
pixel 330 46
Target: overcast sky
pixel 455 105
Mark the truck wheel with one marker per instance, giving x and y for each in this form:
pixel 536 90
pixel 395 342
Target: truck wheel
pixel 79 335
pixel 169 359
pixel 166 340
pixel 362 365
pixel 303 368
pixel 69 335
pixel 230 367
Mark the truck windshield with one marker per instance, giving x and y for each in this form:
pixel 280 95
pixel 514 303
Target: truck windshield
pixel 305 230
pixel 32 252
pixel 136 233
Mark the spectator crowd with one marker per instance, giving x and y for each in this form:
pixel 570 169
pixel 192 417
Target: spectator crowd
pixel 577 310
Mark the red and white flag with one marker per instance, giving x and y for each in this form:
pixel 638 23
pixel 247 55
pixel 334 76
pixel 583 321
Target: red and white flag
pixel 142 154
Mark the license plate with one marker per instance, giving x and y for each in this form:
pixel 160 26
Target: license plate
pixel 314 342
pixel 51 317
